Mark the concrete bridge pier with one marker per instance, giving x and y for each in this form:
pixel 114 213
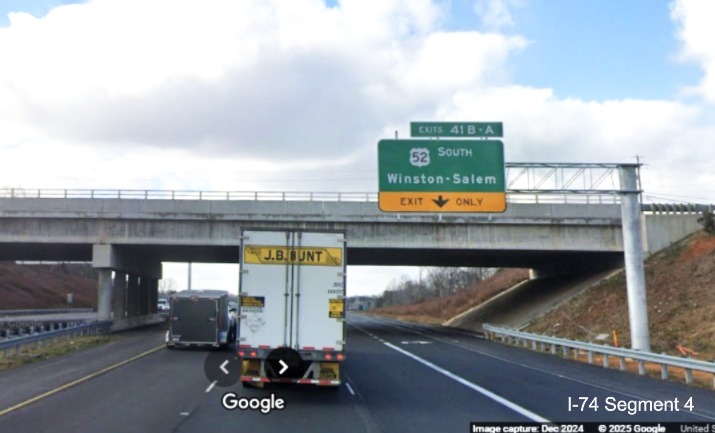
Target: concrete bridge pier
pixel 132 292
pixel 104 296
pixel 144 295
pixel 133 295
pixel 154 296
pixel 119 295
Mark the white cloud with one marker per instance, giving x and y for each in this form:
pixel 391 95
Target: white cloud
pixel 696 31
pixel 293 95
pixel 541 127
pixel 495 14
pixel 262 78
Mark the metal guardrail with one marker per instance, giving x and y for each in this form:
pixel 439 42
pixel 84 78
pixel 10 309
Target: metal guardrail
pixel 545 196
pixel 522 339
pixel 16 344
pixel 149 194
pixel 6 313
pixel 513 196
pixel 677 208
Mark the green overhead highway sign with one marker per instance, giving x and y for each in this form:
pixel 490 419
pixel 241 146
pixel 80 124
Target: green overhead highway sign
pixel 456 129
pixel 441 176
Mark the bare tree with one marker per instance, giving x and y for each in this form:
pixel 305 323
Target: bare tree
pixel 439 282
pixel 167 285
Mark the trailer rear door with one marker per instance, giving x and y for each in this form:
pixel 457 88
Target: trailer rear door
pixel 193 320
pixel 319 292
pixel 292 290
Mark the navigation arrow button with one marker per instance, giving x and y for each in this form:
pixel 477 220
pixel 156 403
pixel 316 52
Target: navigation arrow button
pixel 441 201
pixel 284 366
pixel 222 369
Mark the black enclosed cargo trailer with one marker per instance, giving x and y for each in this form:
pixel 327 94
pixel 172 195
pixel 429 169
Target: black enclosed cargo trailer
pixel 199 318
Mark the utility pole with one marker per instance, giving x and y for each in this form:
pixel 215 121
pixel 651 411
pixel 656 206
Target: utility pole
pixel 189 284
pixel 633 256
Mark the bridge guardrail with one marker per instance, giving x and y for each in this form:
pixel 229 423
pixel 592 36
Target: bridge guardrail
pixel 16 344
pixel 149 194
pixel 522 339
pixel 513 196
pixel 562 196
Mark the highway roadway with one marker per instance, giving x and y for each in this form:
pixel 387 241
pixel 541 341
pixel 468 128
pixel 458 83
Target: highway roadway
pixel 397 377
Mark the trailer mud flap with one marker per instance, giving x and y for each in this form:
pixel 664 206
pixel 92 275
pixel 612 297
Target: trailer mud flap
pixel 329 371
pixel 251 368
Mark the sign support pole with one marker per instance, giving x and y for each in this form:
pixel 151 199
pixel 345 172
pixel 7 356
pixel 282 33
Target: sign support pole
pixel 633 252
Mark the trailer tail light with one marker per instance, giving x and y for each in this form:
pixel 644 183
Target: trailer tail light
pixel 340 357
pixel 328 356
pixel 253 354
pixel 241 353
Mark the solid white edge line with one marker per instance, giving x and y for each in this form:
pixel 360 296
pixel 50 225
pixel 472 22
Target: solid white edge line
pixel 500 358
pixel 513 406
pixel 350 388
pixel 211 386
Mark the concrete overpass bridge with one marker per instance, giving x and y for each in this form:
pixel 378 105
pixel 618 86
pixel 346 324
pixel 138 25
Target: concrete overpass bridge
pixel 128 234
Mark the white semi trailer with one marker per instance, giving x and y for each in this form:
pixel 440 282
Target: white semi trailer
pixel 292 307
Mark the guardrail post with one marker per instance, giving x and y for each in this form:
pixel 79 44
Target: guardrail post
pixel 689 376
pixel 622 362
pixel 663 371
pixel 533 344
pixel 590 356
pixel 641 368
pixel 606 363
pixel 565 351
pixel 553 349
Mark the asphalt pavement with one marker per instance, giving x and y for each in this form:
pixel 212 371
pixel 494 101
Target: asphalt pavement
pixel 397 377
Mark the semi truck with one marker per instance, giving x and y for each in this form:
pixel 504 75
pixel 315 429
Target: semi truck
pixel 199 318
pixel 291 307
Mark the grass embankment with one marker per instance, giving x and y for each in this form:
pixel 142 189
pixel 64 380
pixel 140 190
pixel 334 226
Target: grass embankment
pixel 680 285
pixel 47 286
pixel 47 350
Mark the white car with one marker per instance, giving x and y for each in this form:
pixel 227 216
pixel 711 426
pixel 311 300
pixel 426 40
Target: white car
pixel 162 305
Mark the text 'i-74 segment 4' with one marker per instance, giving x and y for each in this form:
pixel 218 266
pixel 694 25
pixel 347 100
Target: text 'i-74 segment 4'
pixel 441 176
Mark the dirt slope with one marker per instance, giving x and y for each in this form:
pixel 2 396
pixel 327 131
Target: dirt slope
pixel 441 309
pixel 46 286
pixel 531 299
pixel 680 285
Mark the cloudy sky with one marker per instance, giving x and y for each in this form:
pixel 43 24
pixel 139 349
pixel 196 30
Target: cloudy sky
pixel 293 95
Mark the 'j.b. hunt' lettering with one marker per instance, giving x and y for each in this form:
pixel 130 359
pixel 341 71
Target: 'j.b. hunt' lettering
pixel 274 255
pixel 293 256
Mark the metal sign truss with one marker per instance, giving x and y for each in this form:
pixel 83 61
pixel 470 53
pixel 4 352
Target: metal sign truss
pixel 564 178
